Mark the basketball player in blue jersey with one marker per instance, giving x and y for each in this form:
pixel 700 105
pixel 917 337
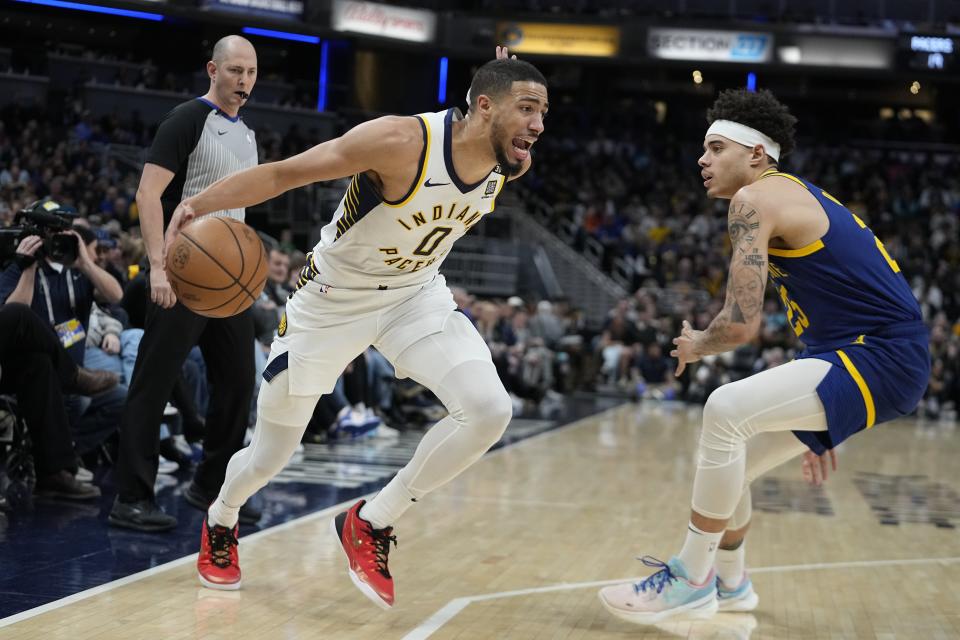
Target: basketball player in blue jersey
pixel 866 359
pixel 418 183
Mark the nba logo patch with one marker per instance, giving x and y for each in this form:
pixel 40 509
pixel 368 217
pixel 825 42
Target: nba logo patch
pixel 282 327
pixel 491 188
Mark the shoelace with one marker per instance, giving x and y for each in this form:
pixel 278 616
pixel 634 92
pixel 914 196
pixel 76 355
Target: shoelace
pixel 658 580
pixel 221 541
pixel 381 548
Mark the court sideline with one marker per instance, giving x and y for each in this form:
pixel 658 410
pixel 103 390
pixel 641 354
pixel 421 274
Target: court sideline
pixel 517 547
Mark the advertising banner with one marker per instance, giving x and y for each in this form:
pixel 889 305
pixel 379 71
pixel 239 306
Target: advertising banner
pixel 710 45
pixel 559 39
pixel 400 23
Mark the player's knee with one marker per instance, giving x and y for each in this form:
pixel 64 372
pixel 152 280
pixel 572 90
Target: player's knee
pixel 499 411
pixel 266 467
pixel 276 405
pixel 490 414
pixel 723 413
pixel 724 429
pixel 720 406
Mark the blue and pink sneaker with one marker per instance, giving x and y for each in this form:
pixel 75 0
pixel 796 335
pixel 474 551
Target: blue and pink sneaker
pixel 739 598
pixel 662 596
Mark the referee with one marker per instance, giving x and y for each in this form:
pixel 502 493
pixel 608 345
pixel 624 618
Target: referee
pixel 197 143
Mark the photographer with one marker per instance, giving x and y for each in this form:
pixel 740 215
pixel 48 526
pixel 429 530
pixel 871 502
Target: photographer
pixel 58 279
pixel 35 368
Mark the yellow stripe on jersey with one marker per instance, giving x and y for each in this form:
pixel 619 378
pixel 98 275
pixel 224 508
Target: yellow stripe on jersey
pixel 352 199
pixel 423 167
pixel 355 192
pixel 813 247
pixel 774 172
pixel 862 384
pixel 832 199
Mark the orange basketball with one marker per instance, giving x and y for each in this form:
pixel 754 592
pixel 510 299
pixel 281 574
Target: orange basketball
pixel 217 266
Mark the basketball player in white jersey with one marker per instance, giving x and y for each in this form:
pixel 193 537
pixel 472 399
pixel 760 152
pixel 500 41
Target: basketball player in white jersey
pixel 419 183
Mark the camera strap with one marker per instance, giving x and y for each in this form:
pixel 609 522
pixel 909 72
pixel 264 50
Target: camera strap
pixel 46 293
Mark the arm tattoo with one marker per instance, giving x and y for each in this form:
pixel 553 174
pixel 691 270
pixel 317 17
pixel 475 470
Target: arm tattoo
pixel 746 282
pixel 745 285
pixel 743 222
pixel 748 286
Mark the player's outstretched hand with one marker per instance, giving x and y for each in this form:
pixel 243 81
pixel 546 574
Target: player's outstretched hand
pixel 182 216
pixel 685 353
pixel 816 469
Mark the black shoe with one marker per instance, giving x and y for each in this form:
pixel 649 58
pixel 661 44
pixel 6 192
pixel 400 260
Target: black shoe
pixel 197 497
pixel 64 485
pixel 143 515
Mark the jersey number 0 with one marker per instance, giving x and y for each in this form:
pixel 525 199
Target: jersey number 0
pixel 431 241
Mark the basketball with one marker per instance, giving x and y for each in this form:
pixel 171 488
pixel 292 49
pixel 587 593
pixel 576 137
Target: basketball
pixel 217 266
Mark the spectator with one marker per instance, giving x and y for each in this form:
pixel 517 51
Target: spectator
pixel 36 369
pixel 64 295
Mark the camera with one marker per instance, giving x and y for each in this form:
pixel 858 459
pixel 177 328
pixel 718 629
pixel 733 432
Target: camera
pixel 48 220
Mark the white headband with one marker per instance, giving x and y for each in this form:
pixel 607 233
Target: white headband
pixel 745 135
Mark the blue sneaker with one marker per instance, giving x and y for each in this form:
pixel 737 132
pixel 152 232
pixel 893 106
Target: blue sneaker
pixel 356 423
pixel 741 598
pixel 665 594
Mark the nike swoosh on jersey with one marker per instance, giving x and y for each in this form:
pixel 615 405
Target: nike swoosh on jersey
pixel 435 184
pixel 220 133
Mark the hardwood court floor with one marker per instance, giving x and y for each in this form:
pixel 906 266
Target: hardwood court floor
pixel 517 547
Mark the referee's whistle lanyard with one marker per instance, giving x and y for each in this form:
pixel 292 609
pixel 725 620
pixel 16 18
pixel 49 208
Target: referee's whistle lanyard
pixel 71 331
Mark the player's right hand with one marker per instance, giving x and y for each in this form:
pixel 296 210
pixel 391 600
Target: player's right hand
pixel 182 216
pixel 503 54
pixel 685 352
pixel 160 290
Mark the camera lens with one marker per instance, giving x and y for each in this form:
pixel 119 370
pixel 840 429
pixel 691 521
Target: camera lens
pixel 62 248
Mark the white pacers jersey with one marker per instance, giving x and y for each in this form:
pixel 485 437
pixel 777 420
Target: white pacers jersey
pixel 373 243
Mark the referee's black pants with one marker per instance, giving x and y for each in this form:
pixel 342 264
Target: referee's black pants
pixel 169 334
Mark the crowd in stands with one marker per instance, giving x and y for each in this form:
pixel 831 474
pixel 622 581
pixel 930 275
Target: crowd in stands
pixel 637 195
pixel 68 161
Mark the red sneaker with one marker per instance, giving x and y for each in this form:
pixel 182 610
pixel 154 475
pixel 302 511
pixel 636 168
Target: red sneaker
pixel 218 564
pixel 366 549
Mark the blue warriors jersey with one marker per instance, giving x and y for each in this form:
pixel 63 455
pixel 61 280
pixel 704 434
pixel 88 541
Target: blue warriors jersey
pixel 848 302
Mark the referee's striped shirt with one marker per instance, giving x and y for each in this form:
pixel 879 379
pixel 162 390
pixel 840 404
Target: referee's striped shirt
pixel 200 144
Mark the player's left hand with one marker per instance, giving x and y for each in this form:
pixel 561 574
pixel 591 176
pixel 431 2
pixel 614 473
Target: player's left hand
pixel 503 54
pixel 685 353
pixel 182 216
pixel 816 469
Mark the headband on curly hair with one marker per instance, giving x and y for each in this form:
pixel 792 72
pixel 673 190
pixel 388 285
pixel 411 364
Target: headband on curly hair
pixel 758 110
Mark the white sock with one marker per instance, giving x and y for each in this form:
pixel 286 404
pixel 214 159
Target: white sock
pixel 387 506
pixel 220 513
pixel 731 565
pixel 698 553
